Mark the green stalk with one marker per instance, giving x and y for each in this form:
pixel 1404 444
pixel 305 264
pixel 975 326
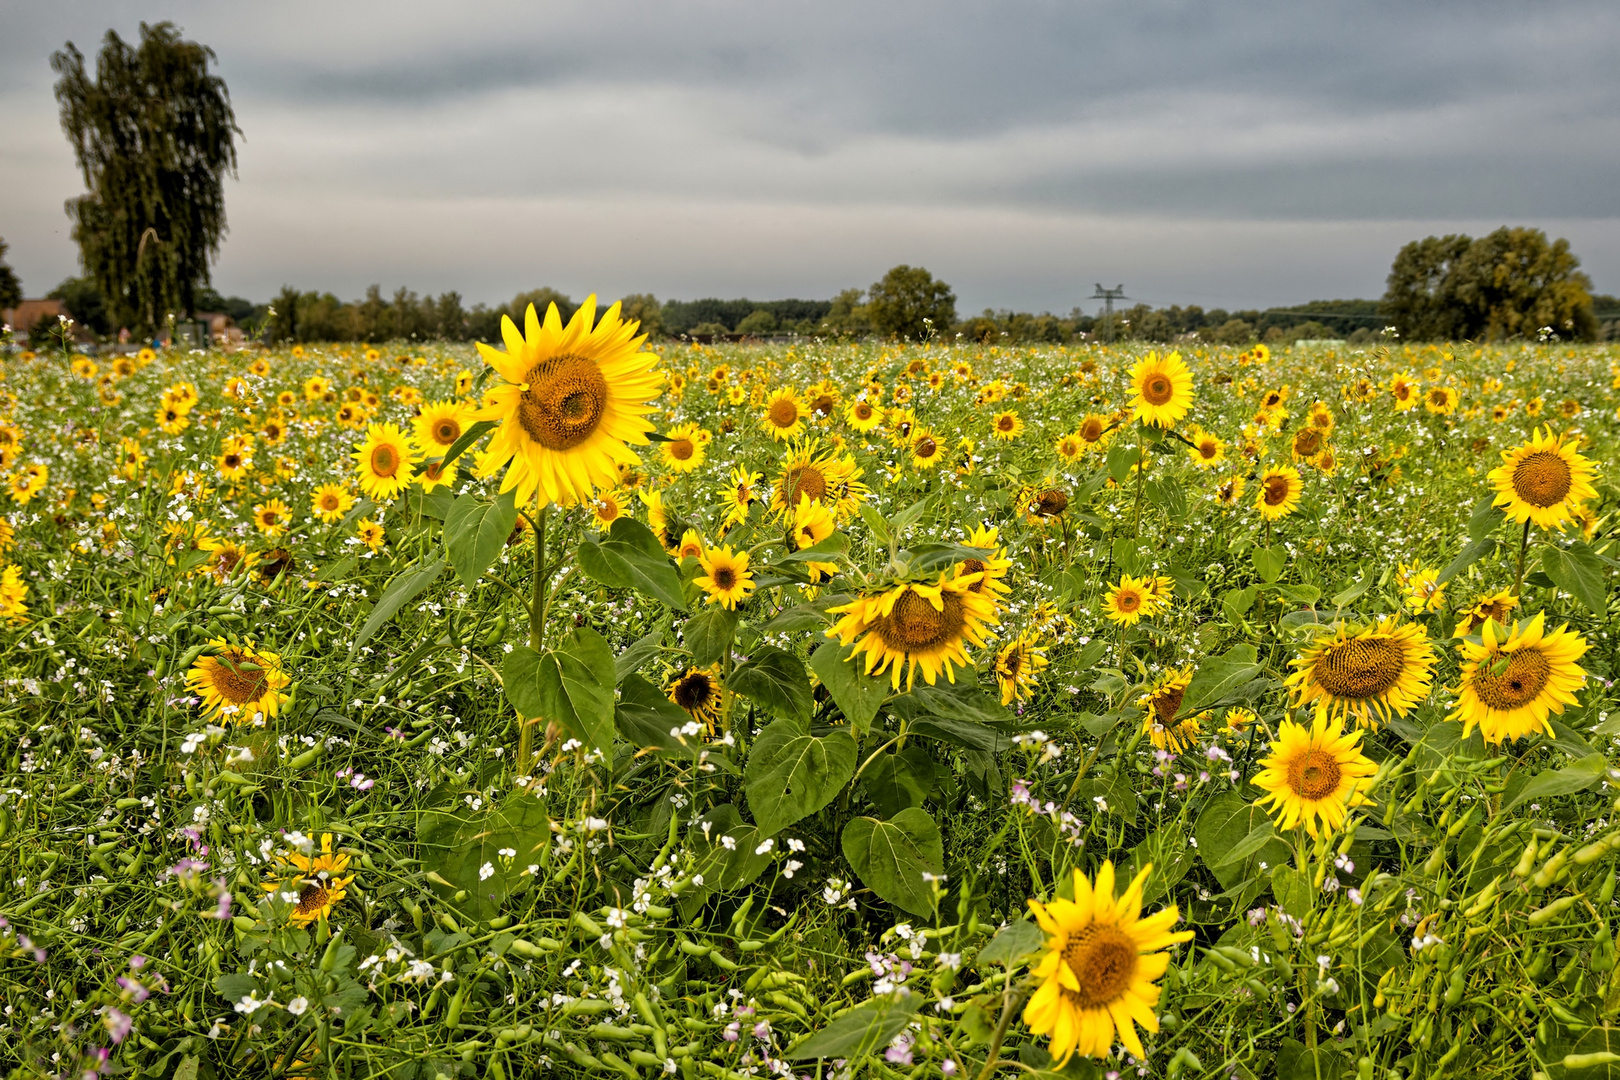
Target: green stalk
pixel 537 628
pixel 1524 544
pixel 1141 462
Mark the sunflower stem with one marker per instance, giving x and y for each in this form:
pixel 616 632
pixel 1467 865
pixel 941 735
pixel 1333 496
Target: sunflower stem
pixel 1524 544
pixel 1141 461
pixel 537 628
pixel 1009 1009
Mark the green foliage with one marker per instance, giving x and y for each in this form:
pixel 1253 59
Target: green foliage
pixel 11 293
pixel 908 303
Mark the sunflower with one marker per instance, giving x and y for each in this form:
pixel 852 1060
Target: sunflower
pixel 1164 724
pixel 606 508
pixel 863 416
pixel 226 559
pixel 699 692
pixel 1307 443
pixel 352 415
pixel 1239 720
pixel 1129 601
pixel 1403 388
pixel 27 483
pixel 1097 974
pixel 784 414
pixel 130 459
pixel 1017 665
pixel 726 577
pixel 691 546
pixel 317 879
pixel 1421 587
pixel 1441 400
pixel 1543 480
pixel 238 683
pixel 433 475
pixel 1495 606
pixel 926 449
pixel 274 431
pixel 439 425
pixel 812 523
pixel 912 626
pixel 272 517
pixel 1280 488
pixel 740 493
pixel 1369 673
pixel 1163 389
pixel 369 533
pixel 1229 492
pixel 383 462
pixel 13 596
pixel 572 397
pixel 1006 426
pixel 1315 775
pixel 990 570
pixel 330 502
pixel 808 470
pixel 1206 450
pixel 235 459
pixel 682 449
pixel 1069 447
pixel 1093 429
pixel 1516 677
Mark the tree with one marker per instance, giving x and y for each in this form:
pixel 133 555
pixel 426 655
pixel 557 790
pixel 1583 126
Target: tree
pixel 11 293
pixel 759 321
pixel 153 135
pixel 1509 284
pixel 908 303
pixel 84 302
pixel 645 309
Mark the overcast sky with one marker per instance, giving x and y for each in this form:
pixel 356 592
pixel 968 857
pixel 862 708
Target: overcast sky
pixel 1233 154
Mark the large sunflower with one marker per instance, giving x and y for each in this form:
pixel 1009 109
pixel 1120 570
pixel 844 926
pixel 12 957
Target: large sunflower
pixel 1543 480
pixel 572 398
pixel 1315 774
pixel 239 682
pixel 1279 493
pixel 784 414
pixel 1367 672
pixel 1516 677
pixel 384 462
pixel 317 879
pixel 698 691
pixel 914 626
pixel 1097 975
pixel 440 424
pixel 1206 450
pixel 1163 389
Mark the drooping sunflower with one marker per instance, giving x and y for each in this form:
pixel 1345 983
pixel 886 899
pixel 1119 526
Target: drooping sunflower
pixel 726 577
pixel 1207 450
pixel 683 449
pixel 1543 480
pixel 784 414
pixel 913 626
pixel 1006 426
pixel 273 517
pixel 318 880
pixel 927 450
pixel 1516 677
pixel 863 416
pixel 571 399
pixel 1280 489
pixel 1163 389
pixel 1489 606
pixel 1097 974
pixel 239 683
pixel 699 692
pixel 1315 775
pixel 812 523
pixel 1164 725
pixel 384 462
pixel 439 425
pixel 1018 664
pixel 1368 673
pixel 330 502
pixel 691 546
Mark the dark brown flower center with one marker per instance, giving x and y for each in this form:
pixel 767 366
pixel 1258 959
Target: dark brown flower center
pixel 1051 502
pixel 1128 600
pixel 915 625
pixel 239 679
pixel 1543 479
pixel 724 578
pixel 1523 678
pixel 804 480
pixel 926 447
pixel 446 431
pixel 384 460
pixel 694 691
pixel 1276 490
pixel 1314 775
pixel 784 412
pixel 1103 959
pixel 311 898
pixel 564 403
pixel 1158 389
pixel 1091 429
pixel 682 449
pixel 1360 668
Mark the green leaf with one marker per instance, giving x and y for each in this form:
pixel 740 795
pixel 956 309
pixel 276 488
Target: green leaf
pixel 892 856
pixel 1485 518
pixel 1354 592
pixel 791 774
pixel 1292 889
pixel 1476 550
pixel 857 694
pixel 475 532
pixel 1167 850
pixel 858 1032
pixel 1121 456
pixel 1269 562
pixel 898 781
pixel 960 701
pixel 470 436
pixel 1218 677
pixel 471 858
pixel 708 634
pixel 960 733
pixel 1577 776
pixel 776 681
pixel 1012 944
pixel 569 684
pixel 1578 571
pixel 638 654
pixel 833 546
pixel 1234 837
pixel 645 716
pixel 724 866
pixel 878 525
pixel 796 620
pixel 630 557
pixel 433 504
pixel 1237 602
pixel 406 586
pixel 520 676
pixel 927 560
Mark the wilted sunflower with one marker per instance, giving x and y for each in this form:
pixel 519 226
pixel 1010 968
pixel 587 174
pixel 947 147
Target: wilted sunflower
pixel 726 577
pixel 784 414
pixel 698 691
pixel 682 449
pixel 1017 665
pixel 1206 450
pixel 439 425
pixel 1543 480
pixel 1315 775
pixel 1164 725
pixel 1097 975
pixel 1280 489
pixel 330 502
pixel 383 462
pixel 914 626
pixel 1369 673
pixel 1490 606
pixel 239 683
pixel 319 882
pixel 571 399
pixel 1163 389
pixel 1516 677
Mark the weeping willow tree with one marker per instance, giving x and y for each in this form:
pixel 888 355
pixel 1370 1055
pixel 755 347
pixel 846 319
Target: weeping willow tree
pixel 153 132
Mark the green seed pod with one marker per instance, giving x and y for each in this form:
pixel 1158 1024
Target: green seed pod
pixel 1550 870
pixel 1592 852
pixel 307 758
pixel 587 924
pixel 1544 915
pixel 1526 860
pixel 1588 1061
pixel 329 958
pixel 1223 962
pixel 1606 893
pixel 452 1016
pixel 1454 989
pixel 586 1007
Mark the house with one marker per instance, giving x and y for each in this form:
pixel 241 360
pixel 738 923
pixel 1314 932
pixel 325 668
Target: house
pixel 23 317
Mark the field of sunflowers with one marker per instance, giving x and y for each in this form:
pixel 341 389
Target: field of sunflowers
pixel 587 706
